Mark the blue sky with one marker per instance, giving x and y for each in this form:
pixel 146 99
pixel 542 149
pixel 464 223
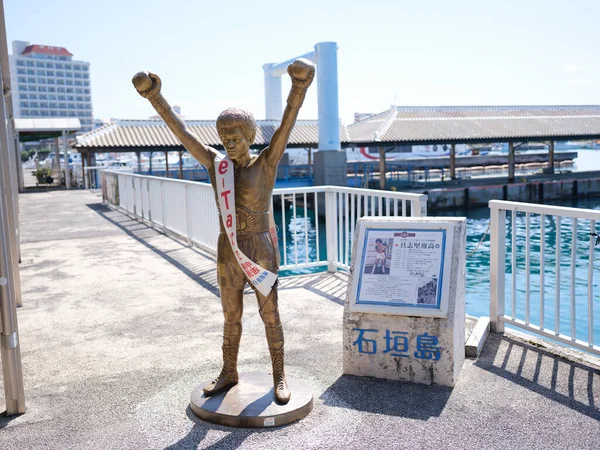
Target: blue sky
pixel 209 54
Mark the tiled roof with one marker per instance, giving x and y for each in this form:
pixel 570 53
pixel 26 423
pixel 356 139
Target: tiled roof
pixel 47 49
pixel 470 123
pixel 154 133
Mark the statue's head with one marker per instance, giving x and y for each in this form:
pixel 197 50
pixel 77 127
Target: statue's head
pixel 237 130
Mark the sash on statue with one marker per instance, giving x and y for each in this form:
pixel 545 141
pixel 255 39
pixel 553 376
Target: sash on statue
pixel 260 277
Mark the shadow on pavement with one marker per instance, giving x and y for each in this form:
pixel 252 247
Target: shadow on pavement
pixel 234 438
pixel 567 382
pixel 390 398
pixel 204 274
pixel 5 420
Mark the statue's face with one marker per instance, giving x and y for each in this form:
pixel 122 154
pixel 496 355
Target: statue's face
pixel 235 143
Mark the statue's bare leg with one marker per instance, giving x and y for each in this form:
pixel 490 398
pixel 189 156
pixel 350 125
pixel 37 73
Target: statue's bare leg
pixel 269 313
pixel 232 300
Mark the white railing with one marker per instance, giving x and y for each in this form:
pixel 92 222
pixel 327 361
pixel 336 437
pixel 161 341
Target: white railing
pixel 307 240
pixel 551 271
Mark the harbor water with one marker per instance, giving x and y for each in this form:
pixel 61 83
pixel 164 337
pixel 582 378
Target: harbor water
pixel 301 234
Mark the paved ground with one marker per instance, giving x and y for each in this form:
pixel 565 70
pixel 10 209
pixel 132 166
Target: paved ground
pixel 120 323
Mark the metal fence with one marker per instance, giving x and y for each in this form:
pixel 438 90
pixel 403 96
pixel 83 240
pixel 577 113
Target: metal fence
pixel 315 224
pixel 544 255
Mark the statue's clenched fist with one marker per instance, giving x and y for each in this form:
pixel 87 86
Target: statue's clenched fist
pixel 147 84
pixel 302 72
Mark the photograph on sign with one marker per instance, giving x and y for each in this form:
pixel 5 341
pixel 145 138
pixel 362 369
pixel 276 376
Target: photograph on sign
pixel 413 259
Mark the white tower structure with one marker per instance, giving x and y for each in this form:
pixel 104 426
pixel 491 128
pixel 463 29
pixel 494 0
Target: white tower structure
pixel 325 57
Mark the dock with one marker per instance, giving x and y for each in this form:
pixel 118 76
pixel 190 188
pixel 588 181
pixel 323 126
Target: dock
pixel 119 323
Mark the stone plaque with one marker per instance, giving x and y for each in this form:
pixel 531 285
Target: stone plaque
pixel 404 315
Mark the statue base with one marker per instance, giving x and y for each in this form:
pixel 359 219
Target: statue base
pixel 251 403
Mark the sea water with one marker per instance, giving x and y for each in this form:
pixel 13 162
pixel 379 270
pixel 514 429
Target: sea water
pixel 300 246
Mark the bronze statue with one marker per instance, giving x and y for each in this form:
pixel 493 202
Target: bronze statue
pixel 253 179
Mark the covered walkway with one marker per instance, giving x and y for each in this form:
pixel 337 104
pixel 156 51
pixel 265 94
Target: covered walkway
pixel 120 323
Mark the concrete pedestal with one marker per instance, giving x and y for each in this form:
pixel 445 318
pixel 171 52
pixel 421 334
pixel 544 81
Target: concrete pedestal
pixel 251 403
pixel 330 168
pixel 427 350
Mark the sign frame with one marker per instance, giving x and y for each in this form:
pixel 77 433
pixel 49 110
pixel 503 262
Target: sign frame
pixel 399 225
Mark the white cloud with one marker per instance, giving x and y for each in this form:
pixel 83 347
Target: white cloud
pixel 573 68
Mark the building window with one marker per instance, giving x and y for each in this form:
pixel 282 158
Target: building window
pixel 30 64
pixel 49 65
pixel 25 113
pixel 50 73
pixel 63 58
pixel 86 91
pixel 78 83
pixel 33 96
pixel 51 89
pixel 86 76
pixel 33 88
pixel 72 114
pixel 22 79
pixel 78 91
pixel 61 97
pixel 62 105
pixel 43 97
pixel 43 105
pixel 68 66
pixel 70 98
pixel 77 75
pixel 41 81
pixel 41 72
pixel 39 64
pixel 60 73
pixel 60 81
pixel 60 89
pixel 69 82
pixel 79 98
pixel 64 113
pixel 50 81
pixel 71 105
pixel 24 105
pixel 30 79
pixel 23 96
pixel 59 66
pixel 21 71
pixel 52 97
pixel 34 104
pixel 86 83
pixel 54 113
pixel 30 72
pixel 69 90
pixel 53 105
pixel 42 88
pixel 20 63
pixel 69 74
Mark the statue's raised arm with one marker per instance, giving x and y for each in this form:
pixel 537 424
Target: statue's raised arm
pixel 302 73
pixel 148 86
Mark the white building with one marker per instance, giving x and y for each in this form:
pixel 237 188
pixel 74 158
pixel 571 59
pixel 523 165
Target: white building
pixel 47 82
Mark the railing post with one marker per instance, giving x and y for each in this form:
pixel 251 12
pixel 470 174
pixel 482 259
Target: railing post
pixel 419 209
pixel 330 226
pixel 187 217
pixel 497 266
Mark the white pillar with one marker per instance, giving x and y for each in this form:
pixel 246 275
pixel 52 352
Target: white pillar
pixel 327 87
pixel 273 99
pixel 66 153
pixel 9 278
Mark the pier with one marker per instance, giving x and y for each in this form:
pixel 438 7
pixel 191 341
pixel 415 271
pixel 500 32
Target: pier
pixel 120 322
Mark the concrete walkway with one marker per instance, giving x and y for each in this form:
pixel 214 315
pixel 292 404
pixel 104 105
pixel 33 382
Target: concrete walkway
pixel 120 323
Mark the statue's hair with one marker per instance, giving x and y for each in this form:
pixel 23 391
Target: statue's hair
pixel 232 118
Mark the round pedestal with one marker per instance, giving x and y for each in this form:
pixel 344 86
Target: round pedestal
pixel 251 403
